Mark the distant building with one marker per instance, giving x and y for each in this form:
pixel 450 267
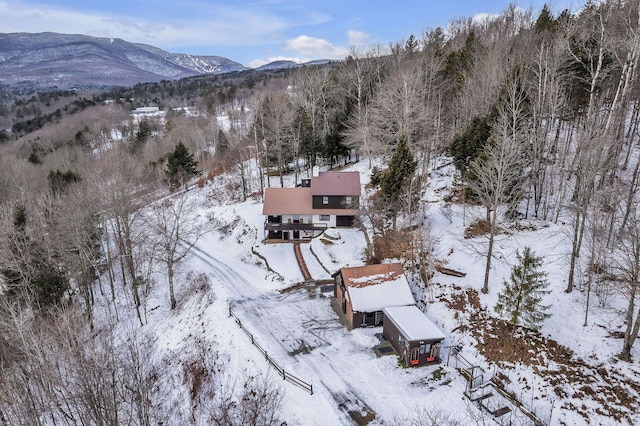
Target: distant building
pixel 145 110
pixel 327 200
pixel 362 292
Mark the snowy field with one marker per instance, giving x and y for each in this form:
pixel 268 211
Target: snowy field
pixel 300 330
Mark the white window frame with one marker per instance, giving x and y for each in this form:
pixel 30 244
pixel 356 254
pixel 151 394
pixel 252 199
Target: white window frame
pixel 325 199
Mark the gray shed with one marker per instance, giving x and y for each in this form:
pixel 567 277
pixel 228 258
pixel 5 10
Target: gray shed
pixel 416 339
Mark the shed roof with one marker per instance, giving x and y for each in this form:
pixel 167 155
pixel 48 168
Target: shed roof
pixel 374 287
pixel 413 323
pixel 279 201
pixel 360 276
pixel 336 183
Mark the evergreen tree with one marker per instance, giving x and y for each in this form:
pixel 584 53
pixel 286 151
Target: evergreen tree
pixel 223 143
pixel 411 45
pixel 395 180
pixel 376 176
pixel 59 181
pixel 545 21
pixel 468 145
pixel 142 135
pixel 522 295
pixel 181 166
pixel 31 274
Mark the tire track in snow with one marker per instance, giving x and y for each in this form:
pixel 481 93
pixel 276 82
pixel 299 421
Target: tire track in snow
pixel 255 305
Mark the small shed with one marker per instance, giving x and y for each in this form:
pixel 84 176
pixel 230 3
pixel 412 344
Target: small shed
pixel 362 292
pixel 416 339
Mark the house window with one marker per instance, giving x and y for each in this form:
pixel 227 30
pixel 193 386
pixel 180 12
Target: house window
pixel 325 199
pixel 348 200
pixel 325 217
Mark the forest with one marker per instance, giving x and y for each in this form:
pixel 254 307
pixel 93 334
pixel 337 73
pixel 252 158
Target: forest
pixel 539 113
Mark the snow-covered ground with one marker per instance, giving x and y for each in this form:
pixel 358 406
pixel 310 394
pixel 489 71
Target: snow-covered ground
pixel 300 330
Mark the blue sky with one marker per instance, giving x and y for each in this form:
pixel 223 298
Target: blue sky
pixel 252 32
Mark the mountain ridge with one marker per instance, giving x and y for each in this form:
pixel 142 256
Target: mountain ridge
pixel 66 61
pixel 50 60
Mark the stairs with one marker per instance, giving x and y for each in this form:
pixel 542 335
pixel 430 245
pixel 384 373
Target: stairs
pixel 301 263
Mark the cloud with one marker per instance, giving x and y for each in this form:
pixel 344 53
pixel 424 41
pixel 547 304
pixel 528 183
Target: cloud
pixel 316 47
pixel 358 38
pixel 221 24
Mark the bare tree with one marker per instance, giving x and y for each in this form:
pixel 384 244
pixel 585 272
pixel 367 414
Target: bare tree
pixel 177 229
pixel 122 190
pixel 628 267
pixel 498 172
pixel 273 121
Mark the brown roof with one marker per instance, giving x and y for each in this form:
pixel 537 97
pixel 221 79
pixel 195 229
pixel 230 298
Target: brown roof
pixel 279 201
pixel 379 273
pixel 336 183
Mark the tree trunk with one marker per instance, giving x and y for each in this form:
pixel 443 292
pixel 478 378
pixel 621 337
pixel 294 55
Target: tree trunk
pixel 625 354
pixel 493 216
pixel 170 273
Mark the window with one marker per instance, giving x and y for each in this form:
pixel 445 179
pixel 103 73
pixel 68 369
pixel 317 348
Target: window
pixel 325 199
pixel 325 217
pixel 348 200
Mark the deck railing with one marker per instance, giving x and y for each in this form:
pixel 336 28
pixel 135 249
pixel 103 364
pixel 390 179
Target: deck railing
pixel 276 226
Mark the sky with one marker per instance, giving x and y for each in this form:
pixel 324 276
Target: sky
pixel 253 32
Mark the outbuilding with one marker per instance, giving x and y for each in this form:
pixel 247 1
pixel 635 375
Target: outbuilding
pixel 362 292
pixel 416 339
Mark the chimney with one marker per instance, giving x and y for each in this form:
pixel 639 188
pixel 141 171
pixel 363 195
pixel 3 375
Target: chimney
pixel 315 172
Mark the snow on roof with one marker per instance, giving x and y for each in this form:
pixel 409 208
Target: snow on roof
pixel 374 287
pixel 376 297
pixel 413 323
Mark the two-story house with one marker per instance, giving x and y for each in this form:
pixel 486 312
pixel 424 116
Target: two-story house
pixel 326 200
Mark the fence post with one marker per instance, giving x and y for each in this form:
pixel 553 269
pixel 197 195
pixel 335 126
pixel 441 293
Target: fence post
pixel 284 376
pixel 311 389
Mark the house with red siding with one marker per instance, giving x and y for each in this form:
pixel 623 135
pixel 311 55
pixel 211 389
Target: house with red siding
pixel 362 292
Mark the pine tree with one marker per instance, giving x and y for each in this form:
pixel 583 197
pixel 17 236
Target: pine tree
pixel 395 180
pixel 401 169
pixel 223 143
pixel 181 166
pixel 522 295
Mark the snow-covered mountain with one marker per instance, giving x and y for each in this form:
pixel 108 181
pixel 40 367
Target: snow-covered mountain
pixel 72 60
pixel 198 63
pixel 284 64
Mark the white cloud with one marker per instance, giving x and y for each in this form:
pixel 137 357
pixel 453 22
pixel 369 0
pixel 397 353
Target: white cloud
pixel 358 38
pixel 316 47
pixel 219 25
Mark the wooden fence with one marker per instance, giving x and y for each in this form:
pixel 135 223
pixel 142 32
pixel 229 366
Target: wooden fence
pixel 281 371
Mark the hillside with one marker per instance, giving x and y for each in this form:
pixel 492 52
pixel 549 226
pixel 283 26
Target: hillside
pixel 67 61
pixel 499 163
pixel 233 270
